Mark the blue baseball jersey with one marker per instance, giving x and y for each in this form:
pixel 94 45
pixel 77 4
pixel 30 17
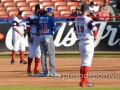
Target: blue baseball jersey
pixel 46 25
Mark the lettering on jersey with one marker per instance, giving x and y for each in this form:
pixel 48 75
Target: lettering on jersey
pixel 43 19
pixel 43 31
pixel 43 25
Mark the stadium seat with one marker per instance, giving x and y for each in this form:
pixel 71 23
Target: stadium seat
pixel 56 13
pixel 2 1
pixel 56 4
pixel 27 8
pixel 40 1
pixel 47 3
pixel 72 4
pixel 2 13
pixel 12 13
pixel 32 4
pixel 72 8
pixel 33 8
pixel 11 8
pixel 2 8
pixel 27 1
pixel 19 3
pixel 27 13
pixel 53 1
pixel 1 4
pixel 15 1
pixel 8 4
pixel 3 16
pixel 64 8
pixel 65 13
pixel 50 7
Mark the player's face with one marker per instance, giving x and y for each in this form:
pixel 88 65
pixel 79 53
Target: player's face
pixel 51 14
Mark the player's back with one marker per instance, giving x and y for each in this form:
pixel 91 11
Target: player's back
pixel 46 23
pixel 83 30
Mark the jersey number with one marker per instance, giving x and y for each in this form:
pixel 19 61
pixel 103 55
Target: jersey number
pixel 43 26
pixel 80 29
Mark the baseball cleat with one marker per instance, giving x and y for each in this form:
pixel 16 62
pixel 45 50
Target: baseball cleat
pixel 23 62
pixel 12 62
pixel 29 73
pixel 42 74
pixel 36 71
pixel 86 85
pixel 54 75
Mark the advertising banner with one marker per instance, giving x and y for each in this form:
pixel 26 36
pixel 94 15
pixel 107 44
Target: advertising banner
pixel 108 38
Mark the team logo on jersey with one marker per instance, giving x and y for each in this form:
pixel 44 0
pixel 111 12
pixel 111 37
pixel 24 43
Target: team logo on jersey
pixel 1 36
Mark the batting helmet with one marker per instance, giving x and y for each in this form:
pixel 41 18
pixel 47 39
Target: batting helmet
pixel 50 10
pixel 38 7
pixel 106 1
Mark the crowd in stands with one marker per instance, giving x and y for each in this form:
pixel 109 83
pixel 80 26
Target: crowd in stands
pixel 98 12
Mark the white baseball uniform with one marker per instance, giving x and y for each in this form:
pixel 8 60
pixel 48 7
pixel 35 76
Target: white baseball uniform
pixel 84 30
pixel 18 41
pixel 31 23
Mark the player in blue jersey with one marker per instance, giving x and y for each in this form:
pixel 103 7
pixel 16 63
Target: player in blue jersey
pixel 47 26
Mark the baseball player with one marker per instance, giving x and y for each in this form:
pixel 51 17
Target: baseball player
pixel 45 41
pixel 86 33
pixel 18 37
pixel 33 39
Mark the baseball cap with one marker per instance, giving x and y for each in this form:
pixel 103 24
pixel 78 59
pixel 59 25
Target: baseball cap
pixel 49 10
pixel 38 6
pixel 84 7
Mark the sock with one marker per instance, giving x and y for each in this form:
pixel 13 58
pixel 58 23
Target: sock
pixel 29 62
pixel 85 74
pixel 37 61
pixel 81 74
pixel 13 54
pixel 21 55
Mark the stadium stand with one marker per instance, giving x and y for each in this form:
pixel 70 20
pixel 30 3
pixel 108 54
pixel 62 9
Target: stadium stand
pixel 11 8
pixel 61 7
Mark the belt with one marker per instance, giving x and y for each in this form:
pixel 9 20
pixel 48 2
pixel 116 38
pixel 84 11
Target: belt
pixel 35 34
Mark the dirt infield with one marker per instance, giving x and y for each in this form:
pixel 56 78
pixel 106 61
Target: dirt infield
pixel 105 72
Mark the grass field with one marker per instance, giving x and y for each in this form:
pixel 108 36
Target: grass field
pixel 66 55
